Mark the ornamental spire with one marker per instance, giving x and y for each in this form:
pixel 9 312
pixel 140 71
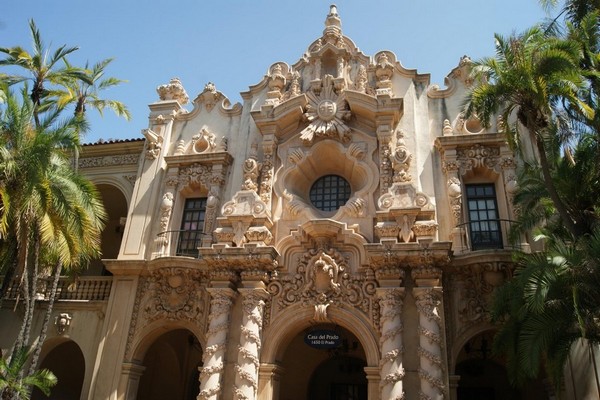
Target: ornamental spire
pixel 333 23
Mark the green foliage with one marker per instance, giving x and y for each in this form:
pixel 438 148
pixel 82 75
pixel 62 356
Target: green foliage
pixel 51 217
pixel 548 81
pixel 14 385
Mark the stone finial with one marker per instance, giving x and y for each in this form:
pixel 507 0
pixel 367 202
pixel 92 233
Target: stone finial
pixel 447 129
pixel 173 91
pixel 333 28
pixel 333 20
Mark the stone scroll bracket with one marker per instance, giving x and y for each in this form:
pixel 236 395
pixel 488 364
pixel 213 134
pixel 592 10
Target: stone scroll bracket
pixel 406 215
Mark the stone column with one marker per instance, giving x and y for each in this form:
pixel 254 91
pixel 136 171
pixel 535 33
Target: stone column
pixel 247 368
pixel 392 369
pixel 130 380
pixel 373 381
pixel 431 371
pixel 269 379
pixel 216 343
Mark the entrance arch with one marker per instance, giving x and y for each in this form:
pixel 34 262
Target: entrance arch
pixel 67 362
pixel 285 377
pixel 171 367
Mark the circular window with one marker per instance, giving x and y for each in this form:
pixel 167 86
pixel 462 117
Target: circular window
pixel 329 192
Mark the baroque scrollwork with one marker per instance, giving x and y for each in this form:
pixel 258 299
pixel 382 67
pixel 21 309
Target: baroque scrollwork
pixel 173 294
pixel 322 278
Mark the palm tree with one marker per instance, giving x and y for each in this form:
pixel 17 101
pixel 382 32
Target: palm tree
pixel 574 10
pixel 42 68
pixel 13 385
pixel 536 78
pixel 50 211
pixel 85 93
pixel 551 302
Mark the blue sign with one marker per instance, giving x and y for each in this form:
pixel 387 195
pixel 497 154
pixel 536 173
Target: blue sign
pixel 323 339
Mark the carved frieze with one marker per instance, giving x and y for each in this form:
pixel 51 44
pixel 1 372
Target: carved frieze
pixel 92 162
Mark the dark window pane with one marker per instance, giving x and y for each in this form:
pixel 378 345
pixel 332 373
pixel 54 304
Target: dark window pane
pixel 330 192
pixel 484 226
pixel 192 224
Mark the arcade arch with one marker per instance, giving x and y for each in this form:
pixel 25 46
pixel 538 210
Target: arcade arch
pixel 67 362
pixel 115 204
pixel 170 366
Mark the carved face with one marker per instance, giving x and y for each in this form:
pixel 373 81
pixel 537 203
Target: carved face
pixel 326 110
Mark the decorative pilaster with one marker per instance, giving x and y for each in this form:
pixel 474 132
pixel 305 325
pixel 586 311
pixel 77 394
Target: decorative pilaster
pixel 247 368
pixel 431 371
pixel 392 370
pixel 216 341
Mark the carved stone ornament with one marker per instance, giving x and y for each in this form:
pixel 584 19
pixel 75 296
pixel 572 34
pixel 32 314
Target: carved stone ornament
pixel 322 279
pixel 153 143
pixel 401 161
pixel 476 284
pixel 251 170
pixel 245 202
pixel 276 82
pixel 326 113
pixel 384 70
pixel 477 156
pixel 98 162
pixel 245 220
pixel 173 91
pixel 209 96
pixel 403 195
pixel 173 294
pixel 62 322
pixel 204 141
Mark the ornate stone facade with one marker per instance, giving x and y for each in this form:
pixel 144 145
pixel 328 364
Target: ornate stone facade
pixel 383 270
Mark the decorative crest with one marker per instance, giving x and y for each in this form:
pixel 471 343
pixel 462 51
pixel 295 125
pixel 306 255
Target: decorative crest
pixel 326 113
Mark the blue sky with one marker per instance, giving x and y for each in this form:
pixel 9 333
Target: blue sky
pixel 232 43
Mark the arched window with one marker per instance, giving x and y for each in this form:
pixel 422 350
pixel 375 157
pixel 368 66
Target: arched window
pixel 330 192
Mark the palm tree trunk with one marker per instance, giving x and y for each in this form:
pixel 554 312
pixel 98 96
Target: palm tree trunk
pixel 547 175
pixel 44 331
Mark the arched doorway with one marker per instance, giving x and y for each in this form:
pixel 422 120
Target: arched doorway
pixel 339 378
pixel 328 373
pixel 483 376
pixel 171 367
pixel 66 361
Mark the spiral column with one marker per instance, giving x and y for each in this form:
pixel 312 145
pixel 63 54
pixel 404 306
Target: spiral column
pixel 392 369
pixel 213 357
pixel 431 371
pixel 247 368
